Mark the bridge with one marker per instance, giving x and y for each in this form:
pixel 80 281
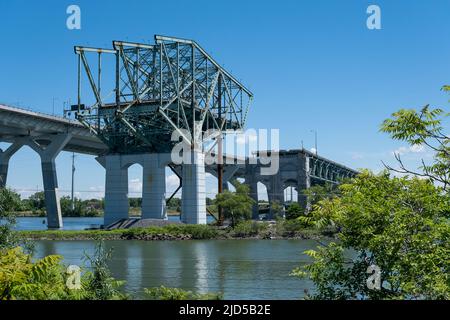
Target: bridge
pixel 298 168
pixel 170 87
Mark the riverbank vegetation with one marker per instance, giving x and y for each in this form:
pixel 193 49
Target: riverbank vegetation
pixel 243 230
pixel 34 206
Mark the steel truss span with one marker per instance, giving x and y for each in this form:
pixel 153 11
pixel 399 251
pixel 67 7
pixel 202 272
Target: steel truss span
pixel 170 85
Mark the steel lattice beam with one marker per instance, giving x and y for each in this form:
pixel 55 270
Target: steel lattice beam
pixel 170 85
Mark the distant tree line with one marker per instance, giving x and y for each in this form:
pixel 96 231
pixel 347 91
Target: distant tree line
pixel 35 205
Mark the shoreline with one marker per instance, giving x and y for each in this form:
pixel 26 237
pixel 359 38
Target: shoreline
pixel 168 234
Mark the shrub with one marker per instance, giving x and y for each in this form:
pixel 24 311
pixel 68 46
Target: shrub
pixel 197 232
pixel 100 283
pixel 163 293
pixel 249 228
pixel 289 227
pixel 21 278
pixel 294 211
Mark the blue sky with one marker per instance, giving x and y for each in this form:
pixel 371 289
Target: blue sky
pixel 312 65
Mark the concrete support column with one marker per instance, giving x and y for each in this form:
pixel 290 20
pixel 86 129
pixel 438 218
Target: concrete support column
pixel 304 182
pixel 3 172
pixel 254 195
pixel 5 156
pixel 116 189
pixel 154 188
pixel 193 203
pixel 225 186
pixel 52 204
pixel 276 194
pixel 48 155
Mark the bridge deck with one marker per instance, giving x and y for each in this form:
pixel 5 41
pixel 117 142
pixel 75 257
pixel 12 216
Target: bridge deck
pixel 16 122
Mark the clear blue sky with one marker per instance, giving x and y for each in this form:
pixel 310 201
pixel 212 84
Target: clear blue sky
pixel 310 64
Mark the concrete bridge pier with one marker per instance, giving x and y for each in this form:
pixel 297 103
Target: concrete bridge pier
pixel 304 183
pixel 275 194
pixel 254 195
pixel 154 186
pixel 193 201
pixel 48 154
pixel 5 156
pixel 252 181
pixel 116 189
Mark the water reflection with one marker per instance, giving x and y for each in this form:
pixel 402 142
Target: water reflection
pixel 240 269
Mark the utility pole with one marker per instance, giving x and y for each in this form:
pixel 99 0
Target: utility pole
pixel 315 140
pixel 73 181
pixel 53 105
pixel 219 154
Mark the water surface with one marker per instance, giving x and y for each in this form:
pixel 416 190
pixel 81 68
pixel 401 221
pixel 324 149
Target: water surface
pixel 240 269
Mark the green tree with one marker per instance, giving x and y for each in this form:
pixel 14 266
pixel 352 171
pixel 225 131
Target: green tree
pixel 294 211
pixel 318 192
pixel 37 201
pixel 9 202
pixel 277 208
pixel 135 202
pixel 174 204
pixel 398 224
pixel 422 129
pixel 235 205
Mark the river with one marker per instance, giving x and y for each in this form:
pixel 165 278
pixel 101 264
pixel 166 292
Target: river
pixel 239 269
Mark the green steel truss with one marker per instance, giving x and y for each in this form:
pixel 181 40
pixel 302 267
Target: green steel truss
pixel 170 85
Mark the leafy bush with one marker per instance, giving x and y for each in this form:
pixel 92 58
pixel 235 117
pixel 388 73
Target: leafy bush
pixel 9 202
pixel 237 205
pixel 100 283
pixel 163 293
pixel 400 225
pixel 249 228
pixel 194 231
pixel 294 211
pixel 290 227
pixel 45 279
pixel 20 278
pixel 82 208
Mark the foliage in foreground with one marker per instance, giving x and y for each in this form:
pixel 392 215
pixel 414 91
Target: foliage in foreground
pixel 400 225
pixel 9 201
pixel 21 278
pixel 422 129
pixel 163 293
